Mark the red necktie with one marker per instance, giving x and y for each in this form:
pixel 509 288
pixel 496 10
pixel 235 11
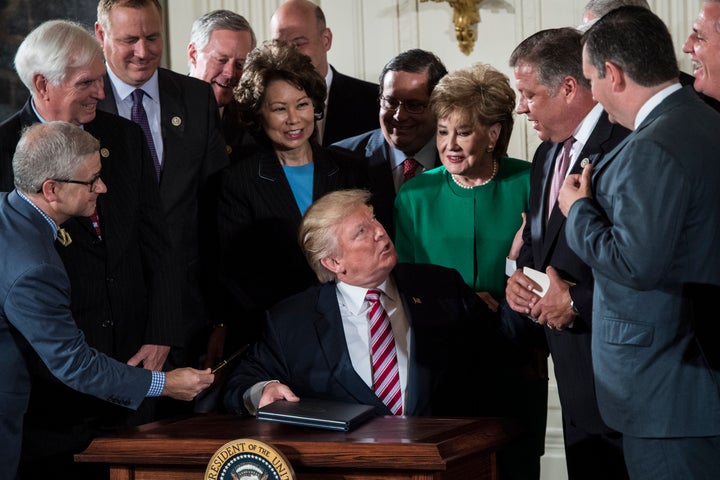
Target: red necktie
pixel 410 168
pixel 386 376
pixel 95 219
pixel 561 168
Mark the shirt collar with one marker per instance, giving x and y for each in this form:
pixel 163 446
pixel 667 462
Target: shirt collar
pixel 354 296
pixel 653 102
pixel 427 156
pixel 584 130
pixel 44 215
pixel 123 90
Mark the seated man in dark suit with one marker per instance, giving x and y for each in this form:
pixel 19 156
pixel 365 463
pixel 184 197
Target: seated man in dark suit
pixel 319 343
pixel 350 108
pixel 404 145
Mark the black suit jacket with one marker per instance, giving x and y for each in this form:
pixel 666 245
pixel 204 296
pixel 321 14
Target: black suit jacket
pixel 304 346
pixel 352 108
pixel 545 244
pixel 194 154
pixel 258 220
pixel 238 140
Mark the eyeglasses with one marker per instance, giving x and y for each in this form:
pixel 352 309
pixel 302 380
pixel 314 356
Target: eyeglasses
pixel 90 183
pixel 392 104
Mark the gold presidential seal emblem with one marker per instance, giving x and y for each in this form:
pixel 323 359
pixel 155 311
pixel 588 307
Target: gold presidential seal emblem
pixel 248 459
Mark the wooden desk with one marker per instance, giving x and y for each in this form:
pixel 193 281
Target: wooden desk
pixel 386 448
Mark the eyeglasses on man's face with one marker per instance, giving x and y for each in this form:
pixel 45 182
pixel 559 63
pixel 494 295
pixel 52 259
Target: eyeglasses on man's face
pixel 90 183
pixel 410 106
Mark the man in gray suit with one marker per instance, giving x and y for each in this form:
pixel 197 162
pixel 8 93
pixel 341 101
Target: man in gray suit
pixel 57 176
pixel 645 218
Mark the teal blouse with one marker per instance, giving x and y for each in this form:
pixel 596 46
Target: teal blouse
pixel 470 230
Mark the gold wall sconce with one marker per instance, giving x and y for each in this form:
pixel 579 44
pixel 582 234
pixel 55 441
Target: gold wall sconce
pixel 466 16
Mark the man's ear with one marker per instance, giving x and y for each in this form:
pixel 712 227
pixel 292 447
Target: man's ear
pixel 100 34
pixel 40 83
pixel 331 264
pixel 49 190
pixel 192 55
pixel 616 76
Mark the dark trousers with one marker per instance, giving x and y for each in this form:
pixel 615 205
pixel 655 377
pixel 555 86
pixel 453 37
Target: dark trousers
pixel 591 456
pixel 688 458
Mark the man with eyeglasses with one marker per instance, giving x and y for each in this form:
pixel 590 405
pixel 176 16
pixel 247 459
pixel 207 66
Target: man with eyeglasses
pixel 35 318
pixel 125 294
pixel 404 145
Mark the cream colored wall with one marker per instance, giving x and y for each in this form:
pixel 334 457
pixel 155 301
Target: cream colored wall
pixel 367 33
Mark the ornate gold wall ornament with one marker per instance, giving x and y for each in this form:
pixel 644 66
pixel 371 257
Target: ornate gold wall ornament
pixel 466 16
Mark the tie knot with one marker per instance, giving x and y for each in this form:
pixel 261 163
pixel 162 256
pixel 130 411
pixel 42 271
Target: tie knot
pixel 373 295
pixel 137 95
pixel 410 166
pixel 568 143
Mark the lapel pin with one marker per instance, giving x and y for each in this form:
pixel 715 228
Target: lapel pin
pixel 104 152
pixel 228 149
pixel 176 121
pixel 584 162
pixel 416 300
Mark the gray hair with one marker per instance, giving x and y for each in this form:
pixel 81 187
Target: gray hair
pixel 52 48
pixel 205 25
pixel 52 150
pixel 318 229
pixel 600 7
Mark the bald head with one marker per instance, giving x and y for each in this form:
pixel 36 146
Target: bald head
pixel 302 23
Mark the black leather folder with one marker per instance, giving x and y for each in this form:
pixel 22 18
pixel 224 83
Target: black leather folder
pixel 310 412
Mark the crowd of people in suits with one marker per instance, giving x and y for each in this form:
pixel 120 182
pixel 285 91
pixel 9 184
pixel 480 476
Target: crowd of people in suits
pixel 158 222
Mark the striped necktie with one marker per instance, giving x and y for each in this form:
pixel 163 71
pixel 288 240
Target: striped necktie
pixel 386 375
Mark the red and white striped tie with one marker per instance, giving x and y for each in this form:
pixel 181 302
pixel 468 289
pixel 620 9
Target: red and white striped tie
pixel 386 376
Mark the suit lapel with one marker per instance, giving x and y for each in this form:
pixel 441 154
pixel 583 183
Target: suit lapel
pixel 328 325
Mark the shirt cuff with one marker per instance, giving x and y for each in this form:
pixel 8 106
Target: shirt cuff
pixel 251 397
pixel 510 267
pixel 157 384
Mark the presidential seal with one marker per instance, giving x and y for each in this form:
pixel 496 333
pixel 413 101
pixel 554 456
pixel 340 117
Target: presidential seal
pixel 248 459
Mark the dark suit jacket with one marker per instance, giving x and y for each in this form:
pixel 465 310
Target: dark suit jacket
pixel 372 146
pixel 194 154
pixel 238 140
pixel 258 220
pixel 36 324
pixel 545 245
pixel 304 346
pixel 649 233
pixel 352 108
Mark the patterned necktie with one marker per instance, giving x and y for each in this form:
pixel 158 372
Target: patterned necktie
pixel 386 376
pixel 95 219
pixel 138 115
pixel 410 168
pixel 561 168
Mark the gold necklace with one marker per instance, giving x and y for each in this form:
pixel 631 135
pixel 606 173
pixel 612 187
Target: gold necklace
pixel 470 187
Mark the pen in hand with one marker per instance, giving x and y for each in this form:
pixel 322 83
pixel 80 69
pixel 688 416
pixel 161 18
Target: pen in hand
pixel 229 359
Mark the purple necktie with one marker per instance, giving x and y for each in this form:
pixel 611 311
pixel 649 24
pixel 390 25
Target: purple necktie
pixel 138 115
pixel 561 168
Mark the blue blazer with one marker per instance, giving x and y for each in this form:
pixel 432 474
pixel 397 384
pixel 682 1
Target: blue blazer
pixel 35 321
pixel 304 346
pixel 544 244
pixel 651 235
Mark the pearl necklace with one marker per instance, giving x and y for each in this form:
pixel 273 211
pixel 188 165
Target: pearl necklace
pixel 470 187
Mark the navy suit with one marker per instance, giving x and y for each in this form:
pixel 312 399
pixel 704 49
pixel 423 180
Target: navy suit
pixel 194 154
pixel 651 234
pixel 373 147
pixel 36 322
pixel 544 245
pixel 304 347
pixel 352 108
